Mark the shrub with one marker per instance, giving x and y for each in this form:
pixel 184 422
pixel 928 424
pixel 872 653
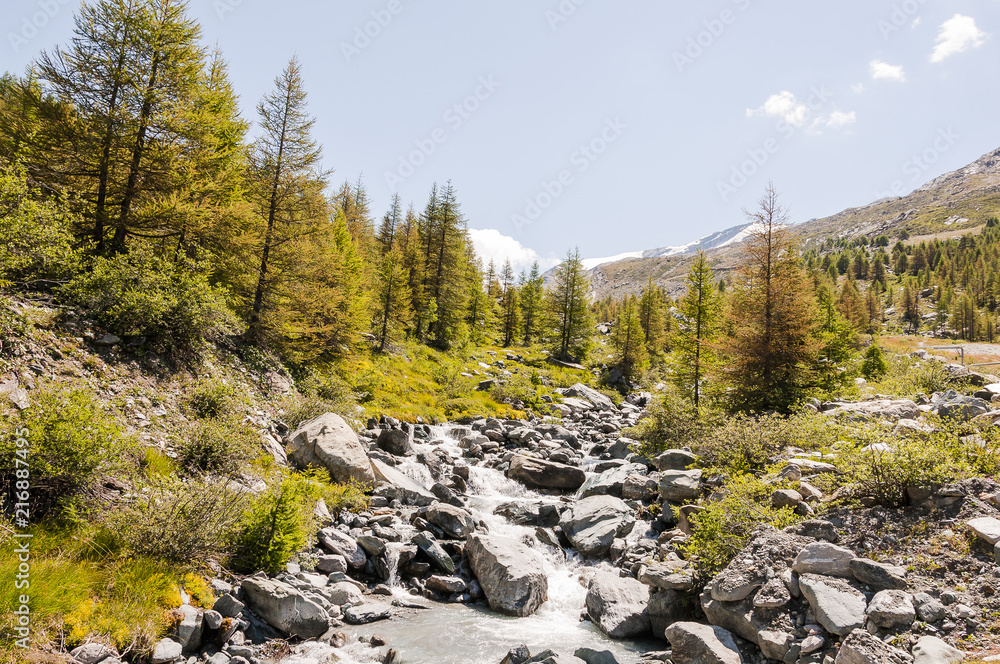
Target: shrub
pixel 907 377
pixel 874 366
pixel 319 394
pixel 182 521
pixel 725 526
pixel 212 398
pixel 221 445
pixel 71 443
pixel 171 303
pixel 349 497
pixel 671 422
pixel 278 524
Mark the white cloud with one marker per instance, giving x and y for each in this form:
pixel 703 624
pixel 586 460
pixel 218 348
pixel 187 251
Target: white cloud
pixel 797 114
pixel 785 106
pixel 839 119
pixel 915 23
pixel 491 243
pixel 879 70
pixel 959 33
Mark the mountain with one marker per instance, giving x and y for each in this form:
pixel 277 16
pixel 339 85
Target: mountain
pixel 950 205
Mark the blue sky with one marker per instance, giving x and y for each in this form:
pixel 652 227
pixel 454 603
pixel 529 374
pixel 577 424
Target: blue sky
pixel 613 126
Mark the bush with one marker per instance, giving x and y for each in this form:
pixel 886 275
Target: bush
pixel 671 422
pixel 213 398
pixel 278 524
pixel 725 526
pixel 874 366
pixel 319 394
pixel 907 377
pixel 182 521
pixel 219 446
pixel 71 442
pixel 171 303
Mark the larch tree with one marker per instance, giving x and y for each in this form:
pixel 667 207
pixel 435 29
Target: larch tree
pixel 508 305
pixel 772 350
pixel 567 304
pixel 629 342
pixel 693 347
pixel 532 290
pixel 392 288
pixel 652 315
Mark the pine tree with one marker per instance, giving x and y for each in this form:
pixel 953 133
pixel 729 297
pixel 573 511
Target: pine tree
pixel 693 348
pixel 508 305
pixel 629 342
pixel 772 348
pixel 392 288
pixel 285 189
pixel 851 306
pixel 569 315
pixel 653 317
pixel 532 290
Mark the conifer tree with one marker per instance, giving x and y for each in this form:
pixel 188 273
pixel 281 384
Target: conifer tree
pixel 652 315
pixel 772 349
pixel 508 305
pixel 693 346
pixel 629 341
pixel 569 315
pixel 532 290
pixel 392 287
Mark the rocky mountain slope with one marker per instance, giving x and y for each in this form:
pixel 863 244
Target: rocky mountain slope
pixel 953 204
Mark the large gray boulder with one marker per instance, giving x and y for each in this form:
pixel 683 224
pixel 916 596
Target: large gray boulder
pixel 510 574
pixel 694 643
pixel 342 544
pixel 839 608
pixel 395 441
pixel 892 609
pixel 285 608
pixel 596 399
pixel 954 406
pixel 665 608
pixel 863 648
pixel 826 559
pixel 675 460
pixel 880 576
pixel 611 481
pixel 592 524
pixel 932 650
pixel 545 474
pixel 328 442
pixel 680 486
pixel 408 490
pixel 618 605
pixel 455 521
pixel 869 411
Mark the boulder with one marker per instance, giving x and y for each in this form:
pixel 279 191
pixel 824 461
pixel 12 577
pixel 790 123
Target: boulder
pixel 987 529
pixel 166 651
pixel 545 474
pixel 618 605
pixel 641 487
pixel 610 482
pixel 665 608
pixel 591 656
pixel 510 574
pixel 364 614
pixel 426 543
pixel 409 491
pixel 285 608
pixel 868 411
pixel 954 406
pixel 891 609
pixel 395 441
pixel 680 486
pixel 342 544
pixel 525 513
pixel 446 584
pixel 93 653
pixel 826 559
pixel 189 628
pixel 675 460
pixel 228 606
pixel 593 523
pixel 328 442
pixel 343 593
pixel 694 643
pixel 455 521
pixel 863 648
pixel 879 576
pixel 839 608
pixel 932 650
pixel 595 398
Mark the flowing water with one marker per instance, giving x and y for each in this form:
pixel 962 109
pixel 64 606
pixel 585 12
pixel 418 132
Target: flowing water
pixel 460 634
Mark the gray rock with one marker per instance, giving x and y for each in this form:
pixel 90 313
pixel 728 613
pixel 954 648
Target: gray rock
pixel 212 619
pixel 863 648
pixel 891 609
pixel 610 482
pixel 591 656
pixel 395 441
pixel 618 605
pixel 526 513
pixel 228 606
pixel 285 608
pixel 344 593
pixel 93 653
pixel 410 491
pixel 342 544
pixel 670 574
pixel 932 650
pixel 878 575
pixel 954 406
pixel 785 498
pixel 328 442
pixel 987 529
pixel 815 529
pixel 772 595
pixel 166 651
pixel 826 559
pixel 929 609
pixel 679 486
pixel 367 613
pixel 510 574
pixel 518 655
pixel 189 629
pixel 593 523
pixel 839 608
pixel 694 643
pixel 545 474
pixel 218 658
pixel 596 399
pixel 455 521
pixel 641 487
pixel 675 460
pixel 775 644
pixel 868 411
pixel 446 584
pixel 430 546
pixel 735 583
pixel 331 563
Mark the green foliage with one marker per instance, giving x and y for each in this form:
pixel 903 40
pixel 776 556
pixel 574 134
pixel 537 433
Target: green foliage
pixel 874 366
pixel 319 393
pixel 569 316
pixel 72 443
pixel 693 353
pixel 182 521
pixel 170 303
pixel 908 377
pixel 725 526
pixel 629 342
pixel 278 524
pixel 352 497
pixel 671 422
pixel 213 398
pixel 218 445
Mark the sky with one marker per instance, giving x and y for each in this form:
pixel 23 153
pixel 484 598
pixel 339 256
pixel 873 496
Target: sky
pixel 612 126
